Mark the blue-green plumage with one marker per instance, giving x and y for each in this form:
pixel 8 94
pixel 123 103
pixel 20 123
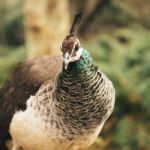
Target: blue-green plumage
pixel 84 64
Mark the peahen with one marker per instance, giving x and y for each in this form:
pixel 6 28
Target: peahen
pixel 56 103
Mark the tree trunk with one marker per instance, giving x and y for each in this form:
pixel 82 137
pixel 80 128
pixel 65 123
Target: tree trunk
pixel 46 24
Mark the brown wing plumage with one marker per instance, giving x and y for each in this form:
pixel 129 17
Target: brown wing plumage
pixel 25 80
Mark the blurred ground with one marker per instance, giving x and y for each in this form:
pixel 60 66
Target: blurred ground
pixel 117 33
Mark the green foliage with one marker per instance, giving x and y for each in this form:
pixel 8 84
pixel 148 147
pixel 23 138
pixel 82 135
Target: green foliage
pixel 125 58
pixel 131 134
pixel 14 32
pixel 8 59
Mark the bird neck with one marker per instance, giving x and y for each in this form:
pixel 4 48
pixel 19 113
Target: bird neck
pixel 84 64
pixel 77 91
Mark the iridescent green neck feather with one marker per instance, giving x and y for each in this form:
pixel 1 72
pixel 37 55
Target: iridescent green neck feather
pixel 84 64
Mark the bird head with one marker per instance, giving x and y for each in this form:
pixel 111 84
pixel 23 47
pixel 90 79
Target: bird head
pixel 70 46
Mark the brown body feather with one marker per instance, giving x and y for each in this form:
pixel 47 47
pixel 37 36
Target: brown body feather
pixel 25 80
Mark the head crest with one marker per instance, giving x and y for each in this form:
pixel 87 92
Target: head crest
pixel 75 23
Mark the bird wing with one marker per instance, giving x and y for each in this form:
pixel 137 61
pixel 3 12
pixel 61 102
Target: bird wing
pixel 24 81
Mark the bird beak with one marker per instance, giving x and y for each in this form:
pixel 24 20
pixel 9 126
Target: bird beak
pixel 66 59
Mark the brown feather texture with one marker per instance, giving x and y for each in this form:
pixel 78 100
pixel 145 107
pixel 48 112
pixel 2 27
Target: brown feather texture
pixel 24 81
pixel 56 103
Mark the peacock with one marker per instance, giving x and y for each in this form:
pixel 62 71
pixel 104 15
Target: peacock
pixel 56 102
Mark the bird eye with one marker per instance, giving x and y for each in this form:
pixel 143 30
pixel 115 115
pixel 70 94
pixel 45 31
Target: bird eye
pixel 77 47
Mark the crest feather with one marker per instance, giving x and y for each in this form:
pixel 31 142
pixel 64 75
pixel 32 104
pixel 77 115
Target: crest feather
pixel 75 23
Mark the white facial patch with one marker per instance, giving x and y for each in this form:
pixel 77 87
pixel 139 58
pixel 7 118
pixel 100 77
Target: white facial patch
pixel 68 58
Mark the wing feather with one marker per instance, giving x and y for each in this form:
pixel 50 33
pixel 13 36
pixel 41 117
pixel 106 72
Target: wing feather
pixel 24 81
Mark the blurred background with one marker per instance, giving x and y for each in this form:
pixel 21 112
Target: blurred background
pixel 116 32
